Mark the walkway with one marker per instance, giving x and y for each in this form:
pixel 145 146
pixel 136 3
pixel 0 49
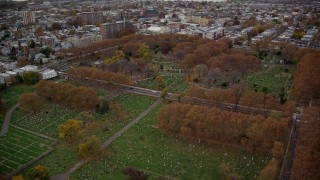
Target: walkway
pixel 107 142
pixel 6 122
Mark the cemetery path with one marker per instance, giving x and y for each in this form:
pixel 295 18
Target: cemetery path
pixel 6 122
pixel 107 142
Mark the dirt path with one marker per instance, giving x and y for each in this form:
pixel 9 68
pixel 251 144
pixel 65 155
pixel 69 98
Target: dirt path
pixel 6 122
pixel 107 142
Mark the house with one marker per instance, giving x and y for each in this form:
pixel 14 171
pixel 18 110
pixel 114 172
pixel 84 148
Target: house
pixel 6 77
pixel 48 74
pixel 29 68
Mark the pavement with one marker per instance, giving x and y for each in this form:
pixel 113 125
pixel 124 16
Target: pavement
pixel 6 122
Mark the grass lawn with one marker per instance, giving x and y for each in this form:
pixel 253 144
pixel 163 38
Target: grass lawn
pixel 19 147
pixel 272 78
pixel 146 148
pixel 64 155
pixel 174 83
pixel 45 122
pixel 10 97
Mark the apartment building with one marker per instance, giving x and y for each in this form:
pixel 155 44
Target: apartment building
pixel 92 18
pixel 111 30
pixel 28 17
pixel 85 40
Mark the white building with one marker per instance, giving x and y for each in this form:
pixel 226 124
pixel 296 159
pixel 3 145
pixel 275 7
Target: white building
pixel 48 74
pixel 214 33
pixel 6 77
pixel 29 68
pixel 85 40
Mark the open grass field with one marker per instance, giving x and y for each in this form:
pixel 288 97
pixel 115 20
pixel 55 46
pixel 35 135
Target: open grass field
pixel 272 78
pixel 19 147
pixel 173 83
pixel 64 155
pixel 10 97
pixel 47 121
pixel 161 155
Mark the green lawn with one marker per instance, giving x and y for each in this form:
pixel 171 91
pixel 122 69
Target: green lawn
pixel 10 97
pixel 64 155
pixel 147 148
pixel 19 147
pixel 173 83
pixel 47 121
pixel 272 78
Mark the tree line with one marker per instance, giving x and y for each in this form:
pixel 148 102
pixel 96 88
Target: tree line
pixel 307 153
pixel 306 83
pixel 256 134
pixel 66 94
pixel 95 73
pixel 239 95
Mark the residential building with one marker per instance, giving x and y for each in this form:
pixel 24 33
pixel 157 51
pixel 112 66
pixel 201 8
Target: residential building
pixel 214 33
pixel 85 40
pixel 48 74
pixel 92 18
pixel 202 21
pixel 46 40
pixel 28 17
pixel 111 30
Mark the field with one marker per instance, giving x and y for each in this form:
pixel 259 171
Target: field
pixel 10 97
pixel 19 147
pixel 272 78
pixel 163 156
pixel 47 121
pixel 64 155
pixel 173 83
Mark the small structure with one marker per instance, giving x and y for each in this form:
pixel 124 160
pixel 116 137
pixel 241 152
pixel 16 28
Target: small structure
pixel 48 74
pixel 6 77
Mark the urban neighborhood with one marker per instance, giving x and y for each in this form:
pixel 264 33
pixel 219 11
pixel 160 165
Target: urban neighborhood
pixel 159 89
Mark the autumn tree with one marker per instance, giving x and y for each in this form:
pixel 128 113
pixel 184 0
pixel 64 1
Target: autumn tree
pixel 197 123
pixel 238 91
pixel 31 77
pixel 288 53
pixel 22 62
pixel 30 101
pixel 278 150
pixel 89 148
pixel 56 26
pixel 160 83
pixel 18 177
pixel 103 107
pixel 306 83
pixel 39 172
pixel 164 94
pixel 305 163
pixel 101 75
pixel 144 52
pixel 69 130
pixel 39 31
pixel 270 171
pixel 228 172
pixel 85 117
pixel 82 98
pixel 116 108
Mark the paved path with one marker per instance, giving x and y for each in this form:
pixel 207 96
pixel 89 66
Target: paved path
pixel 6 122
pixel 107 142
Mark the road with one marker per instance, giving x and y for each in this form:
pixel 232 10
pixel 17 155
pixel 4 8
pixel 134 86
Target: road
pixel 6 122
